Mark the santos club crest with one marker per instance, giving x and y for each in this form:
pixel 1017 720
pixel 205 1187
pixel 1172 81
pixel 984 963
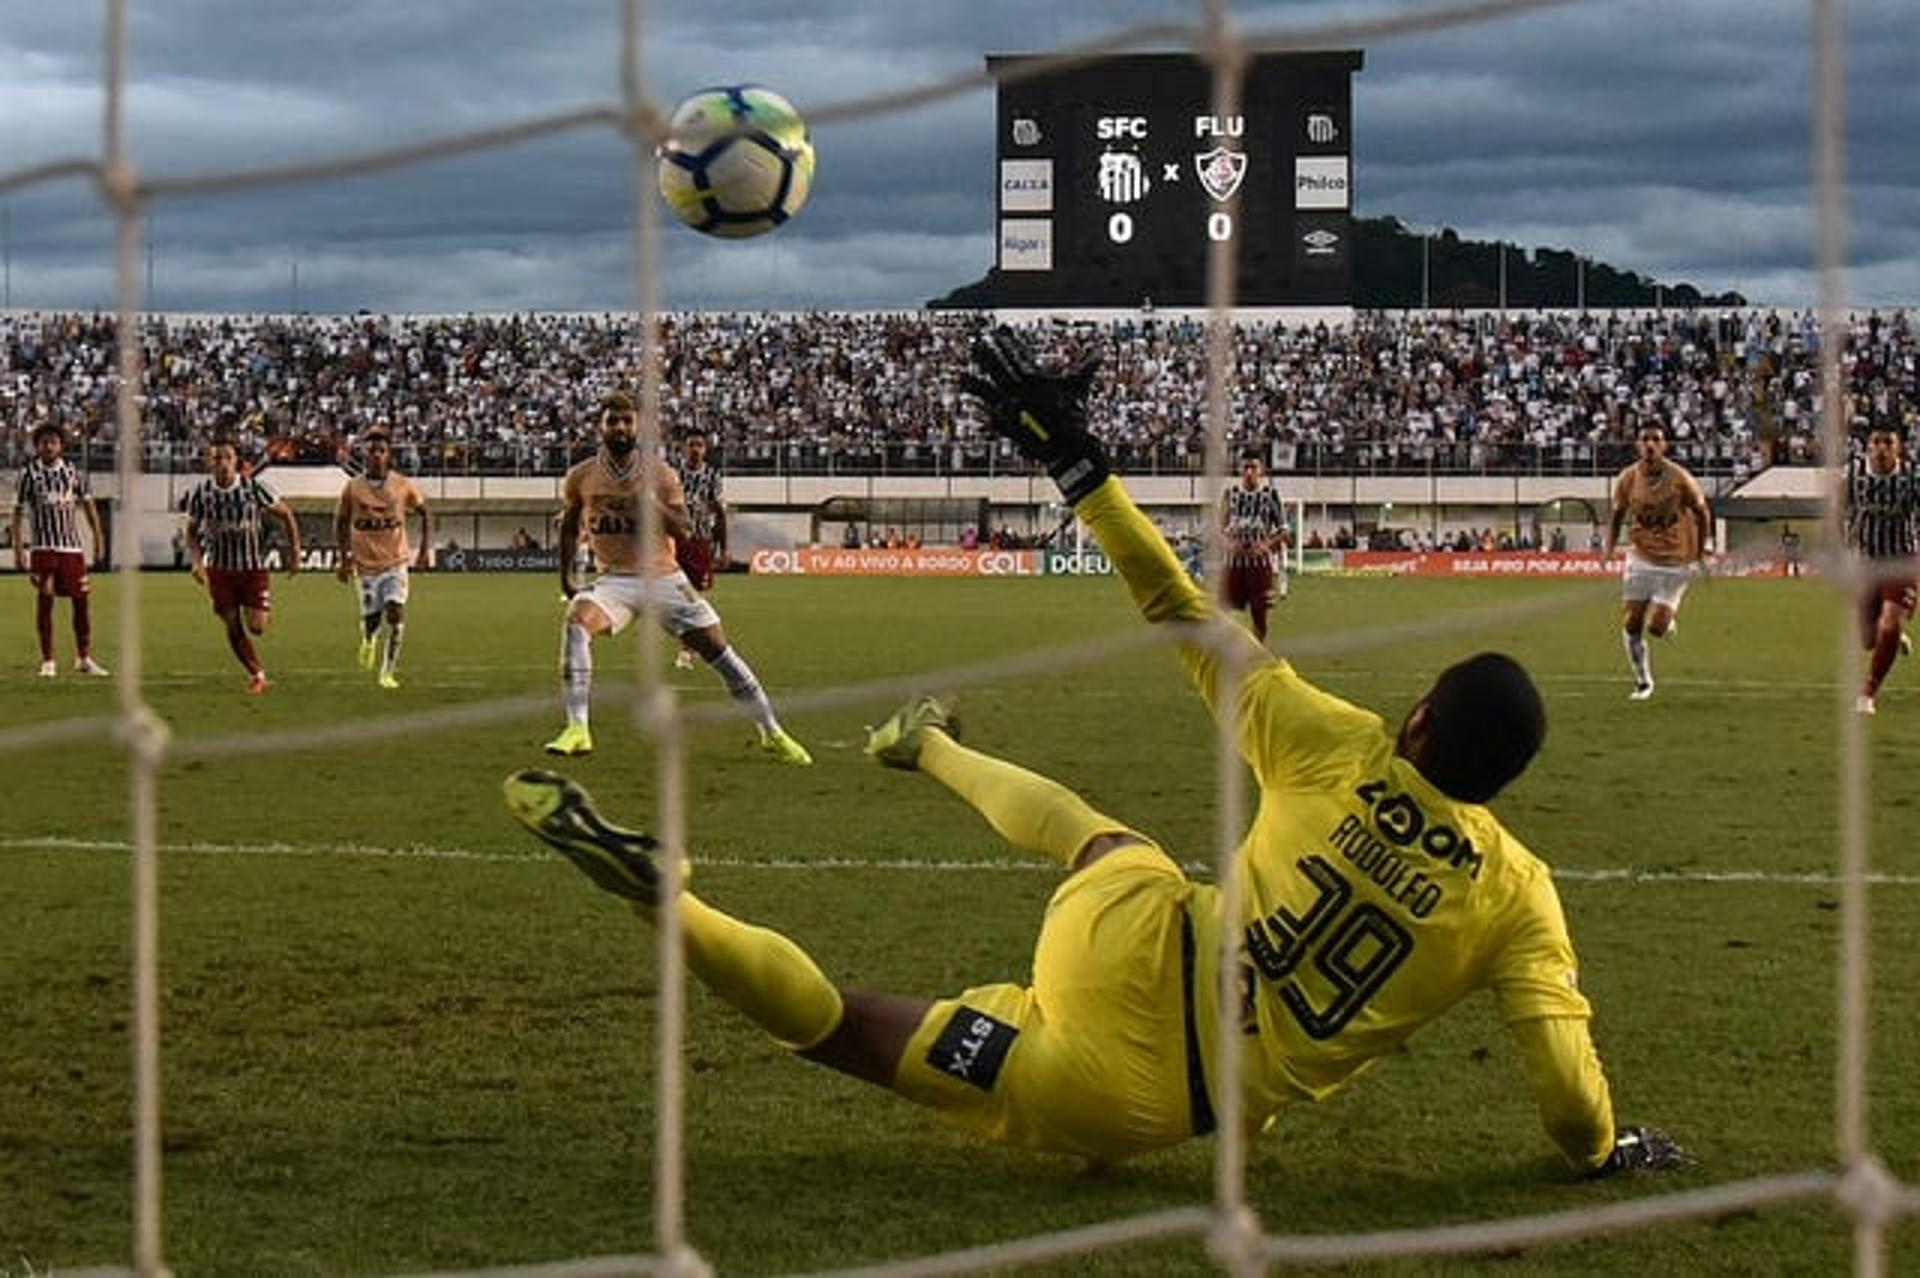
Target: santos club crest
pixel 1221 171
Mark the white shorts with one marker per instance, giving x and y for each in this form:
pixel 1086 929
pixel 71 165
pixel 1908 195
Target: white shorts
pixel 1644 582
pixel 379 589
pixel 623 596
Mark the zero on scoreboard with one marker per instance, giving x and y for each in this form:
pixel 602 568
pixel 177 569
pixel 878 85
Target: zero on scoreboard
pixel 1114 177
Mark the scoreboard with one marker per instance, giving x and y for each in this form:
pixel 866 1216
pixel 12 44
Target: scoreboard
pixel 1114 177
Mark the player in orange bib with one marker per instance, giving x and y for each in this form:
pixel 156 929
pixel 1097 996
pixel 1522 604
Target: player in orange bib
pixel 1671 531
pixel 604 496
pixel 370 527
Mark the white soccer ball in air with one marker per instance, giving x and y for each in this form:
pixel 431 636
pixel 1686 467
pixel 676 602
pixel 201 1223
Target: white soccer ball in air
pixel 737 161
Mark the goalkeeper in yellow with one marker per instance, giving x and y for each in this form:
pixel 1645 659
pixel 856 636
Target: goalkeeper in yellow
pixel 1378 891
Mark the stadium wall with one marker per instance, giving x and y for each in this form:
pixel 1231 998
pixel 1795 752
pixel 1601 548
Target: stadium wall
pixel 774 512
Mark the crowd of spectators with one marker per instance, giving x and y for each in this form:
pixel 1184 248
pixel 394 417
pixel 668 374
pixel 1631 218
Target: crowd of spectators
pixel 874 393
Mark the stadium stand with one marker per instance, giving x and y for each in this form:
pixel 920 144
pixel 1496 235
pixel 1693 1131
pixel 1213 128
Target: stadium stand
pixel 863 394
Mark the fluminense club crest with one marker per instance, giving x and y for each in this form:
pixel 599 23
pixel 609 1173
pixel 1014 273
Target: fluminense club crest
pixel 1221 171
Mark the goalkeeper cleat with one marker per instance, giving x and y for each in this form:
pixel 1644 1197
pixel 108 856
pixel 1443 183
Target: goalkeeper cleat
pixel 896 743
pixel 369 653
pixel 48 670
pixel 88 666
pixel 777 743
pixel 574 740
pixel 388 681
pixel 1642 1149
pixel 561 814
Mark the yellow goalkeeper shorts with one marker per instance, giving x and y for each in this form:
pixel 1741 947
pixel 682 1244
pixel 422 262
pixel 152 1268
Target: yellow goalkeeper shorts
pixel 1097 1057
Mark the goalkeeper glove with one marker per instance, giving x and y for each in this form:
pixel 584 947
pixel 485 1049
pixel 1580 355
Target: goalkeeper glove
pixel 1043 413
pixel 1638 1149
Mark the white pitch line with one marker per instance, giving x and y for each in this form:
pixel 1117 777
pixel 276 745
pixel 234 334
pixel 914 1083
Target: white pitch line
pixel 422 852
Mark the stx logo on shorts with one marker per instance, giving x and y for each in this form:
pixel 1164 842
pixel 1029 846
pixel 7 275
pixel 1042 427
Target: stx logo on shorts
pixel 973 1047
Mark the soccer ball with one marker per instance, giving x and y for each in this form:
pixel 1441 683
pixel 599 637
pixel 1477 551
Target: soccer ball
pixel 737 161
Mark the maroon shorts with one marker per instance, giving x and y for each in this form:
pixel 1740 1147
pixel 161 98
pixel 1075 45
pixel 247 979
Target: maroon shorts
pixel 66 570
pixel 1249 581
pixel 1903 595
pixel 696 560
pixel 239 588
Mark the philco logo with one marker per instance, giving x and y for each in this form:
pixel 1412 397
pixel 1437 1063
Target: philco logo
pixel 1321 129
pixel 1321 243
pixel 1320 182
pixel 1026 131
pixel 1221 171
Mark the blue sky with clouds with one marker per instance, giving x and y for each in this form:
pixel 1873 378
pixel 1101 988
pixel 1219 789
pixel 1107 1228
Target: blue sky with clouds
pixel 1665 136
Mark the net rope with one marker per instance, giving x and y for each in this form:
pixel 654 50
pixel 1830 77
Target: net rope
pixel 1860 1186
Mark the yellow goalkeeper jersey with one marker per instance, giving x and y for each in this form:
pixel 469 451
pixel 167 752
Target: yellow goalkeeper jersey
pixel 1371 902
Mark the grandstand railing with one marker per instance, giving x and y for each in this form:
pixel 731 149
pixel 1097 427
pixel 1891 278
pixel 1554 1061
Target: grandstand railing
pixel 971 459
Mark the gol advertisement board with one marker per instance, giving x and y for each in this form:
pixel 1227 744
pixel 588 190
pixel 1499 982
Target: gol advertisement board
pixel 822 561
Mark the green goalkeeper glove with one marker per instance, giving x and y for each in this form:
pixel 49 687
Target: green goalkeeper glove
pixel 1638 1149
pixel 1043 413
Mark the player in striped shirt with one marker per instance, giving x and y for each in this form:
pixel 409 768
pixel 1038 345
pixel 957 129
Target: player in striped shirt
pixel 223 542
pixel 51 499
pixel 700 553
pixel 1256 528
pixel 1883 511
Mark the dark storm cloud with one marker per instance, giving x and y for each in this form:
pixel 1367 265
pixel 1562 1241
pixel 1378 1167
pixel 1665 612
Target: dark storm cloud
pixel 1669 138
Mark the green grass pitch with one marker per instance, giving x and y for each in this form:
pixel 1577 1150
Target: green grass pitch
pixel 399 1036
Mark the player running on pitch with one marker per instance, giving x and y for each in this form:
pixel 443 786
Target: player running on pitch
pixel 50 501
pixel 704 550
pixel 1670 531
pixel 1378 890
pixel 1256 530
pixel 604 494
pixel 370 527
pixel 1883 510
pixel 223 543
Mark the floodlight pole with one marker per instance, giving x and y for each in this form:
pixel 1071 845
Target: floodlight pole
pixel 1580 283
pixel 1503 277
pixel 1426 274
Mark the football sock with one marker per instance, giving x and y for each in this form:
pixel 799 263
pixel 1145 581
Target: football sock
pixel 1886 649
pixel 242 645
pixel 576 671
pixel 762 973
pixel 396 633
pixel 82 626
pixel 1638 657
pixel 1025 808
pixel 43 623
pixel 743 686
pixel 370 625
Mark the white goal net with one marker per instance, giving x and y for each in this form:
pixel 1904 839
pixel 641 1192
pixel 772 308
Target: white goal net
pixel 1240 1241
